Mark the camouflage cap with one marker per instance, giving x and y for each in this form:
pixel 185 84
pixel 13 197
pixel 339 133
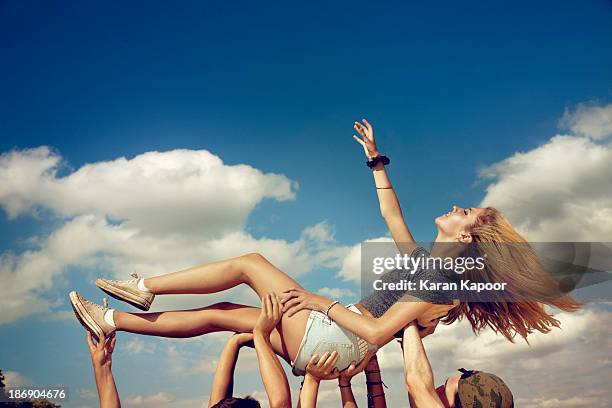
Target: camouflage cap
pixel 478 389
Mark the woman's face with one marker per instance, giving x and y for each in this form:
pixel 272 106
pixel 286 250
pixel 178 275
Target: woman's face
pixel 455 224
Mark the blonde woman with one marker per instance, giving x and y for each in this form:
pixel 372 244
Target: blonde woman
pixel 313 324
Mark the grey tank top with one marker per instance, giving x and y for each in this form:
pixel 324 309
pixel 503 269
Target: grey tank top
pixel 379 301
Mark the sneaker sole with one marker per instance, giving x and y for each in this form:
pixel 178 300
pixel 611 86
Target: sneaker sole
pixel 83 317
pixel 123 295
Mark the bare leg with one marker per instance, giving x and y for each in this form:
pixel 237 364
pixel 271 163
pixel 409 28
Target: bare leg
pixel 252 269
pixel 223 316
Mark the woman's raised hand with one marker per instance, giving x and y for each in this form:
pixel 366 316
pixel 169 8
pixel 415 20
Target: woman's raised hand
pixel 367 138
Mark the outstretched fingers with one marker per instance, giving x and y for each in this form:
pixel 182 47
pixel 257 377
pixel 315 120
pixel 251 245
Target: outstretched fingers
pixel 362 130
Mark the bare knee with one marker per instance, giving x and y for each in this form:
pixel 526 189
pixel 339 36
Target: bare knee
pixel 250 262
pixel 254 257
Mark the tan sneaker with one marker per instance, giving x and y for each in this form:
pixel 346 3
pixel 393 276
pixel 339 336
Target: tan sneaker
pixel 91 315
pixel 127 291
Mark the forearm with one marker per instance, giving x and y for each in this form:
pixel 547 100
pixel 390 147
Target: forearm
pixel 223 382
pixel 107 389
pixel 387 199
pixel 366 327
pixel 376 392
pixel 391 211
pixel 415 359
pixel 378 331
pixel 424 397
pixel 419 376
pixel 346 393
pixel 272 374
pixel 308 394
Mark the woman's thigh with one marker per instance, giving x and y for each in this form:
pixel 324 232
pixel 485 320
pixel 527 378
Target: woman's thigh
pixel 264 278
pixel 285 338
pixel 261 275
pixel 242 319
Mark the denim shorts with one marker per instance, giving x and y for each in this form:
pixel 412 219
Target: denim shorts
pixel 323 334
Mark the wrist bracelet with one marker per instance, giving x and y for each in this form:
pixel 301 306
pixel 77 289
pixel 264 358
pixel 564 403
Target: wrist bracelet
pixel 382 159
pixel 334 303
pixel 344 386
pixel 376 383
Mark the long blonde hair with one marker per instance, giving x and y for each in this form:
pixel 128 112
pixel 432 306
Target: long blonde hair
pixel 511 259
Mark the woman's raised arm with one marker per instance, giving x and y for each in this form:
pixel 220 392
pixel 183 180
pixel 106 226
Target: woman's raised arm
pixel 389 205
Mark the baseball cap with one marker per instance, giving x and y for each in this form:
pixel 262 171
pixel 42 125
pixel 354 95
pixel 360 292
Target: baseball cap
pixel 478 389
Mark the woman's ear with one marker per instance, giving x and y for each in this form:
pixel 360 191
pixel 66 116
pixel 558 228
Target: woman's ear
pixel 464 237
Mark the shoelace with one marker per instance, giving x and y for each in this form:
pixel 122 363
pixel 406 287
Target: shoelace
pixel 133 275
pixel 104 306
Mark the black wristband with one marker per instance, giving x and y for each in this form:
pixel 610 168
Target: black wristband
pixel 376 383
pixel 382 159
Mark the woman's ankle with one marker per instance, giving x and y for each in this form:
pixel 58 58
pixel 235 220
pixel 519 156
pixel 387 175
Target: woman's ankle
pixel 118 319
pixel 146 285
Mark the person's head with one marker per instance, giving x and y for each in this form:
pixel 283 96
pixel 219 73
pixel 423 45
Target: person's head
pixel 456 225
pixel 233 402
pixel 475 389
pixel 511 260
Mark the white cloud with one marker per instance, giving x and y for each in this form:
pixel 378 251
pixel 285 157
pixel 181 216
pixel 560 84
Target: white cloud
pixel 390 357
pixel 336 293
pixel 589 120
pixel 138 346
pixel 162 192
pixel 587 398
pixel 87 393
pixel 351 264
pixel 15 379
pixel 155 399
pixel 559 191
pixel 195 402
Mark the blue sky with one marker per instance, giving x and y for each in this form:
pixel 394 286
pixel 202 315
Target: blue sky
pixel 450 87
